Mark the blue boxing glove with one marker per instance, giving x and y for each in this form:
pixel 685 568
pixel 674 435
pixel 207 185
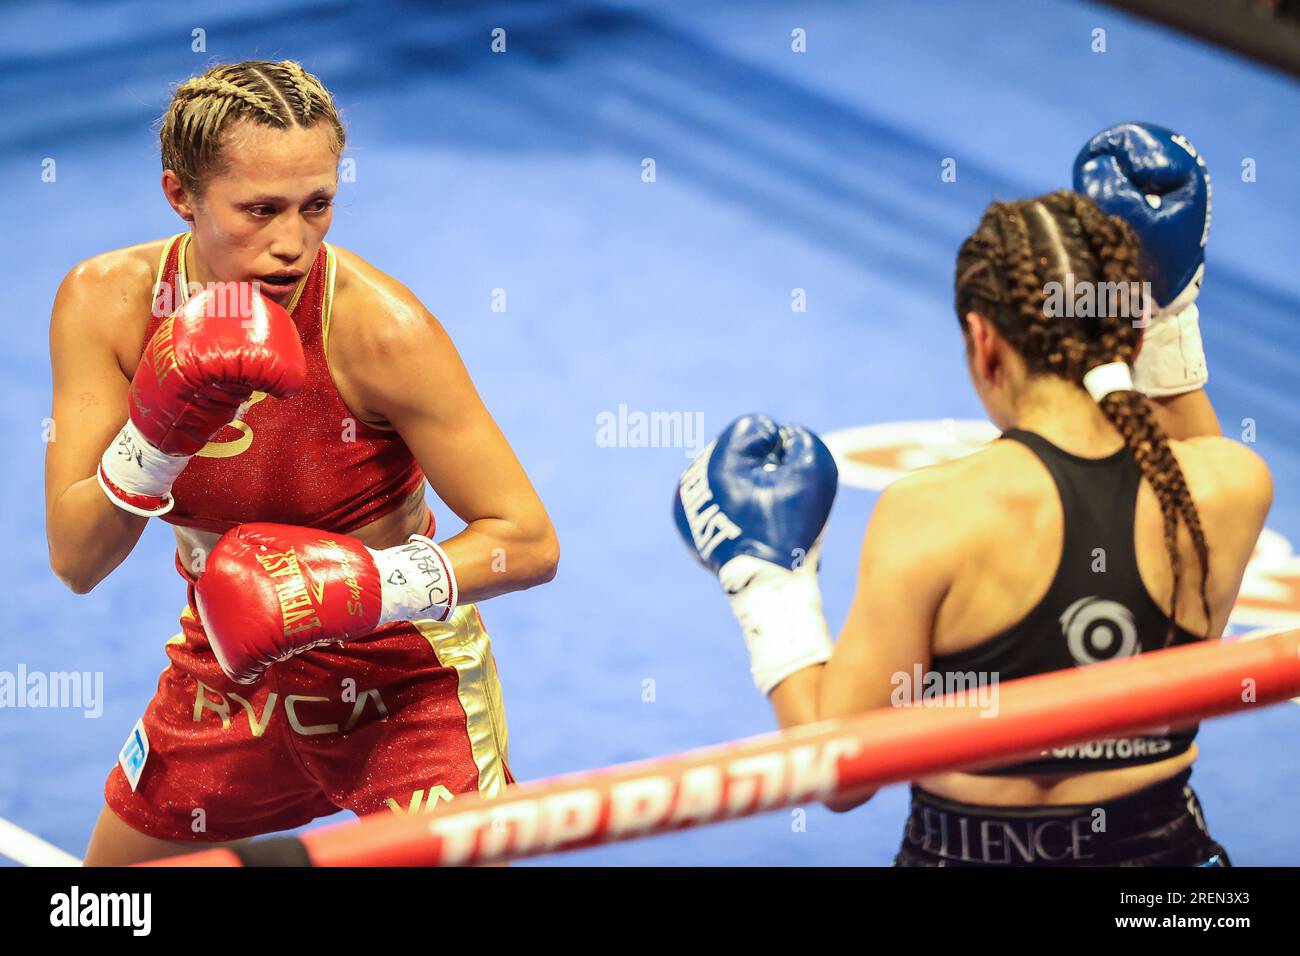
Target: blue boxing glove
pixel 1155 181
pixel 752 508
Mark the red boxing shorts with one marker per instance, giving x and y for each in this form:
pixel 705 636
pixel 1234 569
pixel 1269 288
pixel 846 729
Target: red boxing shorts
pixel 397 721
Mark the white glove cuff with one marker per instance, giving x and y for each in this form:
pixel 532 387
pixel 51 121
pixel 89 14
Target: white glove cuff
pixel 136 476
pixel 780 612
pixel 417 582
pixel 1172 359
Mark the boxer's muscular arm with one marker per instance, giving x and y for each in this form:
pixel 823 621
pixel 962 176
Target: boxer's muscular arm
pixel 97 302
pixel 1189 415
pixel 404 370
pixel 1233 492
pixel 903 574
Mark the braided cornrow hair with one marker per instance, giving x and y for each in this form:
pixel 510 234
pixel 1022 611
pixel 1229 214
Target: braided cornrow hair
pixel 279 95
pixel 1003 270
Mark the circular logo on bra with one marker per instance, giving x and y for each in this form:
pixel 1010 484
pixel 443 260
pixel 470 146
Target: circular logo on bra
pixel 1097 630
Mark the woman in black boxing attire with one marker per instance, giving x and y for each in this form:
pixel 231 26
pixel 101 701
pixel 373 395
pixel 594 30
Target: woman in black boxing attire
pixel 1084 534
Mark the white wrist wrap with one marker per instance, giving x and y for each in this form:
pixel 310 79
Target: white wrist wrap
pixel 1172 359
pixel 138 469
pixel 417 581
pixel 780 612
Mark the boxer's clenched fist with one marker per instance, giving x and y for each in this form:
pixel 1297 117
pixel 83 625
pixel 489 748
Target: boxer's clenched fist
pixel 271 591
pixel 1156 181
pixel 752 508
pixel 203 362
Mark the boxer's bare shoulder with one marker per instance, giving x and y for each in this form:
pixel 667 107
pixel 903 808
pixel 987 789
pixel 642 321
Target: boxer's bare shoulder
pixel 371 308
pixel 108 298
pixel 1233 491
pixel 1004 480
pixel 374 319
pixel 1220 470
pixel 977 492
pixel 933 519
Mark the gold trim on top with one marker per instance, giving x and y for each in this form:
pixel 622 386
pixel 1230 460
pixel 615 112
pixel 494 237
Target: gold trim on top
pixel 463 644
pixel 183 278
pixel 162 268
pixel 177 638
pixel 182 274
pixel 297 292
pixel 327 299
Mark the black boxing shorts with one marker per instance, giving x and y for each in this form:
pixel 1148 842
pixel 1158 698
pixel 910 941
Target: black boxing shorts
pixel 1160 825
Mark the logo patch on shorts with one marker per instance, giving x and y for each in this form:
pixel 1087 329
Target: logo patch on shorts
pixel 134 753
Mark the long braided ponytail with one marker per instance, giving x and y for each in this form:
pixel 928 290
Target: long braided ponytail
pixel 1003 272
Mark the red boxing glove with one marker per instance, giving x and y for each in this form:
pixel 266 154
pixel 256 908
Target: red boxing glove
pixel 271 591
pixel 203 362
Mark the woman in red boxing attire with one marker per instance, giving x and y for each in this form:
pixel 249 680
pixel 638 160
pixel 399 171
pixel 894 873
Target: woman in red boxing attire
pixel 330 654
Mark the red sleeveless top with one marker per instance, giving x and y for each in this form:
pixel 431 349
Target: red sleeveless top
pixel 306 460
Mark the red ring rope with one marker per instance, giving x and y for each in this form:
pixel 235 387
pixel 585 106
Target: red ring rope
pixel 834 758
